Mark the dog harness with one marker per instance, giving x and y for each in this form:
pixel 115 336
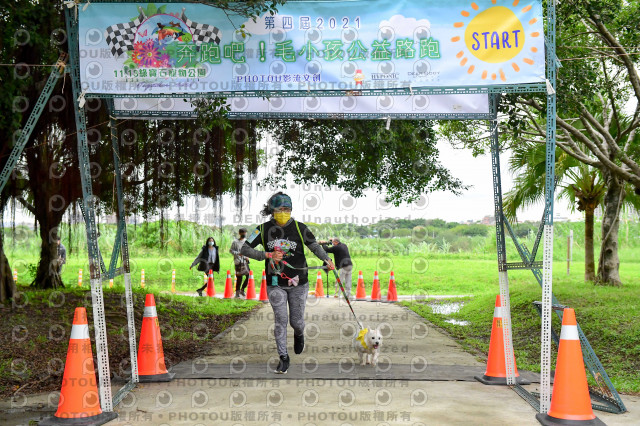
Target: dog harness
pixel 361 338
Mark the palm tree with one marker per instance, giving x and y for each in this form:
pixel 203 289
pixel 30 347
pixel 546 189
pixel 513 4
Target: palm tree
pixel 580 184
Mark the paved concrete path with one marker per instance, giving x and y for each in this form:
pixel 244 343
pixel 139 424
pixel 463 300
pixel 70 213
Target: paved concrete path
pixel 306 398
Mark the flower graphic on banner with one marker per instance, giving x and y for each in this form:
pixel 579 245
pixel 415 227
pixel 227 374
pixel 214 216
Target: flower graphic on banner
pixel 496 38
pixel 157 39
pixel 146 54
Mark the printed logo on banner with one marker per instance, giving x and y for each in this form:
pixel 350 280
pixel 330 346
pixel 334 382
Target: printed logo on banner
pixel 384 103
pixel 349 35
pixel 276 104
pixel 239 104
pixel 420 102
pixel 313 67
pixel 313 35
pixel 166 104
pixel 349 69
pixel 311 104
pixel 278 68
pixel 240 70
pixel 348 103
pixel 129 104
pixel 93 37
pixel 94 69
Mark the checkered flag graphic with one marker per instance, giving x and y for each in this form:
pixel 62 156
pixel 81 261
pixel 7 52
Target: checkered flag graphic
pixel 202 33
pixel 120 36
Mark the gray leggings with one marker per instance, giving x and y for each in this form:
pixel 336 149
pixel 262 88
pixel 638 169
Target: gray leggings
pixel 296 298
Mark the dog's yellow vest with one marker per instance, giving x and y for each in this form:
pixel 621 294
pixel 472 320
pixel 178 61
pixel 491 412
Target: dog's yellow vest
pixel 361 336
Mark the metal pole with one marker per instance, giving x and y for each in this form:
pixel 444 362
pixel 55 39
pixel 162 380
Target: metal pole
pixel 547 262
pixel 503 277
pixel 568 255
pixel 124 252
pixel 100 329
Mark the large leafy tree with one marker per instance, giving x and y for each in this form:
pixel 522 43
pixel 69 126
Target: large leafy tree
pixel 356 155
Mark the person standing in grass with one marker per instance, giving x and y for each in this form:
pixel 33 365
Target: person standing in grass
pixel 240 262
pixel 283 240
pixel 342 260
pixel 208 259
pixel 62 255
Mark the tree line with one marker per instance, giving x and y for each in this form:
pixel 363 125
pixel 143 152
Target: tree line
pixel 598 148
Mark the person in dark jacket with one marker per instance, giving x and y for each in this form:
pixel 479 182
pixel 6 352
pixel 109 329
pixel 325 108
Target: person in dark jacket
pixel 62 255
pixel 207 260
pixel 342 260
pixel 283 239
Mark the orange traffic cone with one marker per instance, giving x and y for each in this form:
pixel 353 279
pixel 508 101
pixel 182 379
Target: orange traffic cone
pixel 228 290
pixel 211 285
pixel 251 287
pixel 570 401
pixel 151 367
pixel 361 294
pixel 375 291
pixel 392 293
pixel 496 372
pixel 319 287
pixel 79 402
pixel 263 288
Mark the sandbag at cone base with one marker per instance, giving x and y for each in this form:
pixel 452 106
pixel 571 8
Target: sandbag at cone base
pixel 79 402
pixel 496 372
pixel 151 366
pixel 547 420
pixel 570 400
pixel 97 420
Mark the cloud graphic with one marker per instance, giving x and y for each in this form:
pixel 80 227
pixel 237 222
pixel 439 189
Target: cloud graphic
pixel 404 27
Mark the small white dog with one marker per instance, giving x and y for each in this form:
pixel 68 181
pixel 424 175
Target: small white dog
pixel 367 344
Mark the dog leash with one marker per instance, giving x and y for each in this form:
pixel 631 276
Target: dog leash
pixel 280 271
pixel 346 298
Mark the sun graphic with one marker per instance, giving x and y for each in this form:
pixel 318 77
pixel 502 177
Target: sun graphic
pixel 495 37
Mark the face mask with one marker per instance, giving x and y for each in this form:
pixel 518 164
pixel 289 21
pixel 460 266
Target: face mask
pixel 243 236
pixel 282 217
pixel 210 243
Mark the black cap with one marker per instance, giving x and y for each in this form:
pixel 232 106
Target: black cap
pixel 242 230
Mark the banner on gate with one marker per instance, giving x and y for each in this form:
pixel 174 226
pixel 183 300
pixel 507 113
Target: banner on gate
pixel 191 48
pixel 311 106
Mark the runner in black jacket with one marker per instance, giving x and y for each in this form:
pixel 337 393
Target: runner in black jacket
pixel 282 239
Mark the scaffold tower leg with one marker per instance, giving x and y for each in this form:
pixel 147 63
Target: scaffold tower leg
pixel 502 255
pixel 100 330
pixel 124 251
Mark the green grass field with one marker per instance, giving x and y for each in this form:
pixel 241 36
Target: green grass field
pixel 607 315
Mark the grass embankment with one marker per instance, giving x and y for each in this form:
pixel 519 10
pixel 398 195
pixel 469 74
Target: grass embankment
pixel 608 317
pixel 36 332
